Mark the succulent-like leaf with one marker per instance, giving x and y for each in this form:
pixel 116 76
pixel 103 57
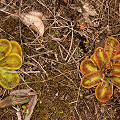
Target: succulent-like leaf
pixel 91 79
pixel 16 48
pixel 117 57
pixel 9 80
pixel 100 57
pixel 104 91
pixel 5 48
pixel 111 46
pixel 115 81
pixel 116 70
pixel 118 51
pixel 92 57
pixel 12 61
pixel 87 66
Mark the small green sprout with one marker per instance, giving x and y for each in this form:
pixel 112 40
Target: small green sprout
pixel 115 110
pixel 104 117
pixel 25 108
pixel 84 41
pixel 57 33
pixel 61 112
pixel 27 111
pixel 41 41
pixel 13 104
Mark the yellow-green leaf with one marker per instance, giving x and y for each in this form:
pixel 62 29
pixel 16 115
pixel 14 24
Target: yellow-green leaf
pixel 91 79
pixel 104 91
pixel 9 80
pixel 12 61
pixel 111 46
pixel 16 48
pixel 87 66
pixel 5 48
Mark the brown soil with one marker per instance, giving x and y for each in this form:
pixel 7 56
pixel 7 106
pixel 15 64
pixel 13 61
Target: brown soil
pixel 53 70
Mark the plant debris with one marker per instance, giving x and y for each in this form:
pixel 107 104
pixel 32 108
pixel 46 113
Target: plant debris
pixel 33 20
pixel 73 29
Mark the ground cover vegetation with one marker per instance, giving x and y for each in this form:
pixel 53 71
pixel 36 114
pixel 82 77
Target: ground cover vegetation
pixel 52 56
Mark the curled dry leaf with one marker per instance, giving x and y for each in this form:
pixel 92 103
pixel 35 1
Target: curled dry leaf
pixel 39 14
pixel 36 13
pixel 33 20
pixel 89 10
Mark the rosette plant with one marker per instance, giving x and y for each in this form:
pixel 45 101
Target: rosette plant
pixel 102 70
pixel 10 60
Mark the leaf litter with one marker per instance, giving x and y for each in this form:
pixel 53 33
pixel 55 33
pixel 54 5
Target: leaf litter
pixel 51 107
pixel 33 20
pixel 18 97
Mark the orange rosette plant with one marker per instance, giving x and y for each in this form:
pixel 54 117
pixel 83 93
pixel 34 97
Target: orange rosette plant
pixel 103 70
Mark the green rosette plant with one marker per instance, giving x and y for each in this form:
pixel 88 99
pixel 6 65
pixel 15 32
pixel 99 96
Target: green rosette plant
pixel 102 70
pixel 10 60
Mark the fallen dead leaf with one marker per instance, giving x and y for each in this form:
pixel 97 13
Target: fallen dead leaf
pixel 36 13
pixel 33 20
pixel 89 10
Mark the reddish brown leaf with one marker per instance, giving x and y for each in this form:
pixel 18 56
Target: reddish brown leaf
pixel 104 91
pixel 87 66
pixel 116 70
pixel 91 79
pixel 115 81
pixel 111 46
pixel 100 57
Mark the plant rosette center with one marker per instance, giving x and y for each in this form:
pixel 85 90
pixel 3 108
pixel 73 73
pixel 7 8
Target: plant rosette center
pixel 10 60
pixel 103 70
